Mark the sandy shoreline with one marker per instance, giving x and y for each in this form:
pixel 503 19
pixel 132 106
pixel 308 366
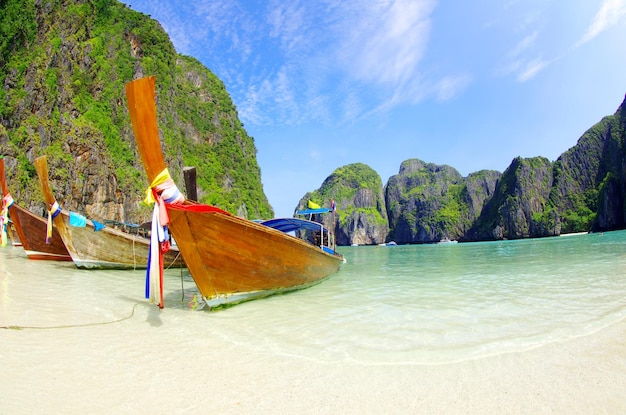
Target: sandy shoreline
pixel 179 361
pixel 80 371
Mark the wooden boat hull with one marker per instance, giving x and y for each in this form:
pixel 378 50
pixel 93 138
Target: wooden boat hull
pixel 108 248
pixel 237 260
pixel 31 230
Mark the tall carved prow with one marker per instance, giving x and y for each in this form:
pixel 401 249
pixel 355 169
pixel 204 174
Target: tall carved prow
pixel 142 107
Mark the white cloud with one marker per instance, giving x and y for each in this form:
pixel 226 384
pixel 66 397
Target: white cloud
pixel 285 97
pixel 520 64
pixel 524 66
pixel 384 42
pixel 288 22
pixel 351 106
pixel 609 14
pixel 526 43
pixel 451 87
pixel 338 59
pixel 328 60
pixel 531 69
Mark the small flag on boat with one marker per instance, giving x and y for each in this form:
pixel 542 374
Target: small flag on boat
pixel 313 205
pixel 97 226
pixel 77 220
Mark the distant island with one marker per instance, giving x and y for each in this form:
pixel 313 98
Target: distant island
pixel 582 191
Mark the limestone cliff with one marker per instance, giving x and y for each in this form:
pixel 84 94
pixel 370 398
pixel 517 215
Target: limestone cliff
pixel 428 203
pixel 63 68
pixel 360 216
pixel 520 205
pixel 590 177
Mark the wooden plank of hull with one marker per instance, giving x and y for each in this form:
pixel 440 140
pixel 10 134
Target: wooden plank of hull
pixel 31 230
pixel 237 260
pixel 108 248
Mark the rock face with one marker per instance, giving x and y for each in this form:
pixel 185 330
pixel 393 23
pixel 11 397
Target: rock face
pixel 62 79
pixel 590 177
pixel 423 201
pixel 480 189
pixel 519 207
pixel 429 203
pixel 360 216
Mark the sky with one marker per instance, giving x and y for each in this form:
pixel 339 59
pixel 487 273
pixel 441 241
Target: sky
pixel 320 84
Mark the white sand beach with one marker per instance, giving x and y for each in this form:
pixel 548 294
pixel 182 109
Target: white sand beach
pixel 82 370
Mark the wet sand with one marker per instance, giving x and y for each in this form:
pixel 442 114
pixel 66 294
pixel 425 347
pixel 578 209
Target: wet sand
pixel 84 370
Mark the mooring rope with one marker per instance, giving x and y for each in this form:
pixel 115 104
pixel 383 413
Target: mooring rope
pixel 171 264
pixel 70 326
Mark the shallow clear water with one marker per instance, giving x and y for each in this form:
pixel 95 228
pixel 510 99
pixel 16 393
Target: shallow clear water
pixel 420 304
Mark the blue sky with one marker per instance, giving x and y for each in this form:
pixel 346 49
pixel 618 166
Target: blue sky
pixel 322 84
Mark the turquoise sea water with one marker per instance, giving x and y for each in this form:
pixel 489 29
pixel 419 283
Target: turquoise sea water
pixel 420 304
pixel 440 303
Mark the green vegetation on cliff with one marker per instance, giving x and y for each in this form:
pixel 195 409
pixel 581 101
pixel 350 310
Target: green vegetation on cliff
pixel 361 216
pixel 64 69
pixel 521 205
pixel 427 202
pixel 342 186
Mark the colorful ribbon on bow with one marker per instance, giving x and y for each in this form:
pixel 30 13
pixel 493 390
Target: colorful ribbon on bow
pixel 52 213
pixel 162 190
pixel 7 201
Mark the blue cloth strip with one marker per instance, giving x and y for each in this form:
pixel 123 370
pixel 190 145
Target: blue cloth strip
pixel 56 212
pixel 77 220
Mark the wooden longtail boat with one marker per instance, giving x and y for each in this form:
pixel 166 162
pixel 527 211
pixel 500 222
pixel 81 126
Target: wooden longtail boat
pixel 106 248
pixel 230 259
pixel 32 229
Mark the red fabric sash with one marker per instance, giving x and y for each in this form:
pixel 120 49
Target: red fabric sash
pixel 198 208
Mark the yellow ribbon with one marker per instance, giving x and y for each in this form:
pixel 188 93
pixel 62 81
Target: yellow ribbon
pixel 158 180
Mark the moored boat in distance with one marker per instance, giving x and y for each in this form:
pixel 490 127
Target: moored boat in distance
pixel 231 259
pixel 31 229
pixel 97 246
pixel 447 241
